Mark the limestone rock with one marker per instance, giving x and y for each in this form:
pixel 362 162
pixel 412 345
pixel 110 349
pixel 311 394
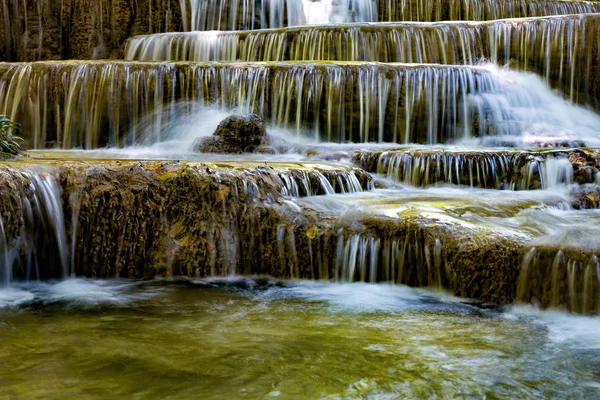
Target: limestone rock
pixel 235 134
pixel 80 29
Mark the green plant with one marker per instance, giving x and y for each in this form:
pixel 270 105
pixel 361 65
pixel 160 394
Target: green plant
pixel 9 142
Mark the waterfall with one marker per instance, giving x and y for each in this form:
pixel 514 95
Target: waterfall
pixel 445 43
pixel 493 170
pixel 554 47
pixel 386 75
pixel 490 169
pixel 550 46
pixel 48 207
pixel 572 280
pixel 37 246
pixel 478 10
pixel 100 104
pixel 220 15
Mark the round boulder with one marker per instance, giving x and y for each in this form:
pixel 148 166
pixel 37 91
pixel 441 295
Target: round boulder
pixel 235 134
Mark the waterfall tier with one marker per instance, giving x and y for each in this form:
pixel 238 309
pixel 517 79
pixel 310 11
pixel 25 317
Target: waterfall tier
pixel 479 10
pixel 31 214
pixel 244 219
pixel 93 104
pixel 491 169
pixel 112 103
pixel 551 46
pixel 80 29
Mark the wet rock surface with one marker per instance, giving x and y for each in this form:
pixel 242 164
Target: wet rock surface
pixel 235 135
pixel 197 220
pixel 80 29
pixel 585 165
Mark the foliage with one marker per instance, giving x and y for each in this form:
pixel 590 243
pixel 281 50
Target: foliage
pixel 9 142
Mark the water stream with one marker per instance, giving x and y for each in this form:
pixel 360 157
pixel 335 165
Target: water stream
pixel 247 338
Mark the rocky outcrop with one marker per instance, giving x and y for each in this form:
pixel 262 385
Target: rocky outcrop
pixel 236 134
pixel 79 29
pixel 153 219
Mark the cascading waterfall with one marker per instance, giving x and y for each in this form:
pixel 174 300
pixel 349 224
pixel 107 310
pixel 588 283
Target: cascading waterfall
pixel 203 15
pixel 507 170
pixel 573 282
pixel 100 104
pixel 420 182
pixel 309 76
pixel 394 42
pixel 478 10
pixel 41 236
pixel 550 46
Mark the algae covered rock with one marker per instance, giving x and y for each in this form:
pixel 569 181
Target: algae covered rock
pixel 235 134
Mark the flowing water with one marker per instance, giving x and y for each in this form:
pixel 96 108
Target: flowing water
pixel 245 338
pixel 121 103
pixel 217 15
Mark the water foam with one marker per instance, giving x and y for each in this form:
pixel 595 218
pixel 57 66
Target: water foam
pixel 75 292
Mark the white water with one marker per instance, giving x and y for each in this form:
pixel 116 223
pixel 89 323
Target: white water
pixel 517 109
pixel 75 291
pixel 203 15
pixel 573 330
pixel 524 111
pixel 565 228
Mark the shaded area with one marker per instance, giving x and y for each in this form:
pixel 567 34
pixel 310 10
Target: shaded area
pixel 79 29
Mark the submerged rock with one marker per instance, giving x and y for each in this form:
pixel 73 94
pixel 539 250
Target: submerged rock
pixel 235 134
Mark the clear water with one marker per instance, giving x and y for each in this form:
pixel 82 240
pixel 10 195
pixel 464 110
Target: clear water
pixel 254 338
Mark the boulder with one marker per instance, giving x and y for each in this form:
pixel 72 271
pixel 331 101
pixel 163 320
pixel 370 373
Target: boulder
pixel 235 134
